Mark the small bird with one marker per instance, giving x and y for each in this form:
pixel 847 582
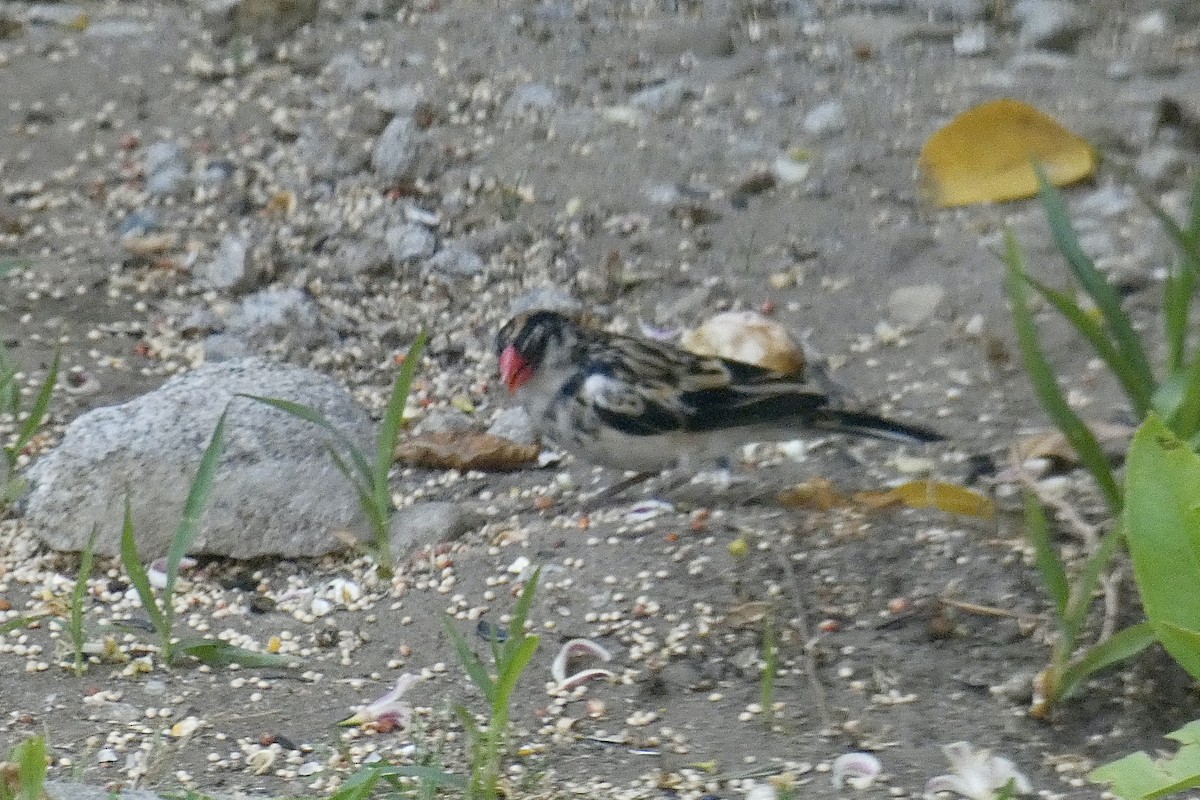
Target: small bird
pixel 633 404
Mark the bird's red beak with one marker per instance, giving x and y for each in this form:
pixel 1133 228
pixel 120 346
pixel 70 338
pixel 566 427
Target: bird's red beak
pixel 515 371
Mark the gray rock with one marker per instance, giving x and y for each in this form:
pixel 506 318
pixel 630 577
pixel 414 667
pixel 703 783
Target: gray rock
pixel 1107 201
pixel 515 425
pixel 116 29
pixel 225 347
pixel 163 154
pixel 663 99
pixel 973 40
pixel 400 100
pixel 1160 165
pixel 350 73
pixel 550 298
pixel 276 492
pixel 703 38
pixel 280 322
pixel 227 267
pixel 409 242
pixel 455 262
pixel 396 150
pixel 449 420
pixel 953 10
pixel 1119 70
pixel 274 308
pixel 530 99
pixel 166 170
pixel 826 119
pixel 61 14
pixel 427 524
pixel 912 305
pixel 357 257
pixel 1051 24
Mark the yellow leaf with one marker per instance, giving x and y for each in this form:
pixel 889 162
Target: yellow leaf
pixel 945 497
pixel 984 155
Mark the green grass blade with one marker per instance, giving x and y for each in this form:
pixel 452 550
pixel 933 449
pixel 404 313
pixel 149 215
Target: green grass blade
pixel 16 623
pixel 1120 646
pixel 1092 280
pixel 1139 393
pixel 1045 381
pixel 218 653
pixel 1185 422
pixel 77 596
pixel 393 415
pixel 516 627
pixel 1177 300
pixel 37 412
pixel 1088 580
pixel 138 577
pixel 517 662
pixel 366 500
pixel 1193 221
pixel 1049 564
pixel 307 414
pixel 471 663
pixel 425 774
pixel 30 756
pixel 193 509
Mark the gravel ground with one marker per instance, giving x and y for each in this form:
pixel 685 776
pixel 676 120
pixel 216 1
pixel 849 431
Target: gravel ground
pixel 169 196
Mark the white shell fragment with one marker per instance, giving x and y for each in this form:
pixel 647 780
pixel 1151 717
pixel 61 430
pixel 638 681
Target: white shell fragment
pixel 762 791
pixel 574 649
pixel 857 769
pixel 748 337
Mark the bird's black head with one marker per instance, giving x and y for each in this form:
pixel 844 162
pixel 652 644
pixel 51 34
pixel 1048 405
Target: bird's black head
pixel 523 342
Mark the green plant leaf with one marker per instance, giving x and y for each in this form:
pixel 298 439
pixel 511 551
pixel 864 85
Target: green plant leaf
pixel 1087 581
pixel 1138 777
pixel 470 662
pixel 1162 523
pixel 1045 381
pixel 138 577
pixel 393 415
pixel 30 757
pixel 17 623
pixel 193 509
pixel 75 626
pixel 1120 646
pixel 317 418
pixel 1092 280
pixel 218 653
pixel 1185 422
pixel 1139 393
pixel 37 411
pixel 516 663
pixel 1049 564
pixel 520 615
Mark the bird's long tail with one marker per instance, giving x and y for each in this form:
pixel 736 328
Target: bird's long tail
pixel 859 423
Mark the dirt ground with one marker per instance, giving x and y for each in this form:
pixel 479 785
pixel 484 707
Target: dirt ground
pixel 543 151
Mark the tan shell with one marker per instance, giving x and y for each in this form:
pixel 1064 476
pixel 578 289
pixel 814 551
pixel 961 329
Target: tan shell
pixel 748 337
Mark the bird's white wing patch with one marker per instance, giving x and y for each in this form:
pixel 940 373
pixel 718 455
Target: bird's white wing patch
pixel 612 394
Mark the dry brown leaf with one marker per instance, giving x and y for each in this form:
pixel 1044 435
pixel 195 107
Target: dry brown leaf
pixel 984 154
pixel 875 500
pixel 818 494
pixel 465 451
pixel 747 614
pixel 948 497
